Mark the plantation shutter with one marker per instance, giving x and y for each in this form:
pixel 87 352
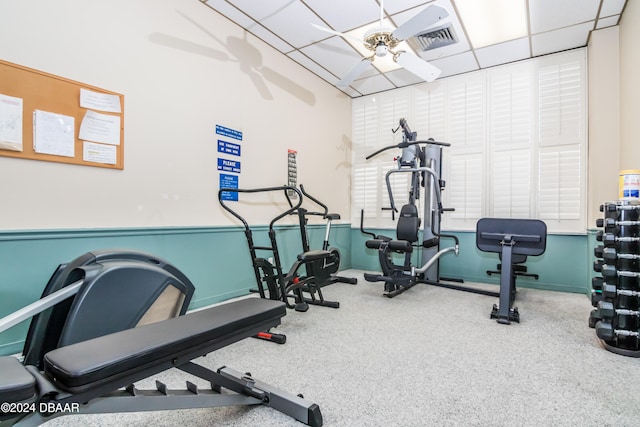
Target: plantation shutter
pixel 466 129
pixel 562 141
pixel 510 126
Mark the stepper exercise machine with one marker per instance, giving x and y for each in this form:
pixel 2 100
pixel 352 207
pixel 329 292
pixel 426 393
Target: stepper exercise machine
pixel 303 288
pixel 98 329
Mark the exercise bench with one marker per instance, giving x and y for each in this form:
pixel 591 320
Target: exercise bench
pixel 98 375
pixel 512 239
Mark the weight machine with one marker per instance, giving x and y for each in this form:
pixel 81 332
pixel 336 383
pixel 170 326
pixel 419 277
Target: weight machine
pixel 423 161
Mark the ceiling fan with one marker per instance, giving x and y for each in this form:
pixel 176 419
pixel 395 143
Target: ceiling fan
pixel 382 40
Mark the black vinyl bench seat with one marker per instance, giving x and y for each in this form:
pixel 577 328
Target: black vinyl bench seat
pixel 16 383
pixel 98 375
pixel 83 366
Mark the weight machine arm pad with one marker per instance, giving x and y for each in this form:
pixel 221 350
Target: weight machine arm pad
pixel 401 246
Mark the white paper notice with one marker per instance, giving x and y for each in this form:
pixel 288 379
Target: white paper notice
pixel 98 127
pixel 100 101
pixel 99 153
pixel 53 134
pixel 10 123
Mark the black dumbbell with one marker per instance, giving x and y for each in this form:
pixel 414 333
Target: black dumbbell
pixel 612 254
pixel 594 317
pixel 606 310
pixel 597 265
pixel 610 240
pixel 610 291
pixel 606 332
pixel 610 272
pixel 612 223
pixel 596 297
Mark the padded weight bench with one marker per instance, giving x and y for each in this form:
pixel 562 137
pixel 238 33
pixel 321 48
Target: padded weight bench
pixel 512 239
pixel 97 375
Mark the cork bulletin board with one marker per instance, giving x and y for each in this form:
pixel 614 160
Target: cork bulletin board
pixel 51 118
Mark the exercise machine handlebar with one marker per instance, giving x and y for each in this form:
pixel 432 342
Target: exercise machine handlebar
pixel 405 144
pixel 325 209
pixel 284 188
pixel 39 306
pixel 406 170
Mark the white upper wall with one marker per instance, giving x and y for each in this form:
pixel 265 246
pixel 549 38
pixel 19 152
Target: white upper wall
pixel 182 69
pixel 630 90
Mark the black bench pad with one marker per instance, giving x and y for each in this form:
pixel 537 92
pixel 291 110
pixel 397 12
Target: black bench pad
pixel 86 365
pixel 16 383
pixel 394 245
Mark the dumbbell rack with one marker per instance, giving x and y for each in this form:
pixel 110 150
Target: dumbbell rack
pixel 616 292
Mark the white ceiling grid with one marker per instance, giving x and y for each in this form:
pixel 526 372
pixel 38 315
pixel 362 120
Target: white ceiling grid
pixel 286 25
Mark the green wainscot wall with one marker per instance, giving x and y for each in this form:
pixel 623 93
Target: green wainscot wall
pixel 565 266
pixel 216 260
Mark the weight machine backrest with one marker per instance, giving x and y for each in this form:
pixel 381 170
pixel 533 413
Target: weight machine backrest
pixel 408 224
pixel 530 235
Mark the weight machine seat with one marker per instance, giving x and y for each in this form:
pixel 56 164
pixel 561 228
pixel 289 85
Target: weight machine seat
pixel 313 255
pixel 406 232
pixel 116 358
pixel 17 384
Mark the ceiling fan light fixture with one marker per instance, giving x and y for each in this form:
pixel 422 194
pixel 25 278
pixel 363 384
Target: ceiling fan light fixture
pixel 382 50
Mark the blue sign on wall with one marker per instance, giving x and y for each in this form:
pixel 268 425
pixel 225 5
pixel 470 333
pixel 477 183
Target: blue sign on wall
pixel 228 148
pixel 231 133
pixel 229 181
pixel 228 165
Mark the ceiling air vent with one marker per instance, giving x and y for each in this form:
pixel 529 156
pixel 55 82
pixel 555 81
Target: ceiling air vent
pixel 433 39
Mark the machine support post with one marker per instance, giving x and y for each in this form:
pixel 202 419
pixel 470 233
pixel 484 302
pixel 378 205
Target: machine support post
pixel 505 281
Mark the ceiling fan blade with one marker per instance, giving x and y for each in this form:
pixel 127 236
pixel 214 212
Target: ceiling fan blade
pixel 420 22
pixel 357 70
pixel 336 33
pixel 418 66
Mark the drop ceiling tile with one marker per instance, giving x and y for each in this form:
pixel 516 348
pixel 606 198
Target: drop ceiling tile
pixel 549 15
pixel 559 40
pixel 313 67
pixel 457 64
pixel 335 54
pixel 402 17
pixel 270 38
pixel 293 24
pixel 612 7
pixel 346 15
pixel 503 53
pixel 395 6
pixel 260 10
pixel 248 23
pixel 607 22
pixel 225 9
pixel 372 85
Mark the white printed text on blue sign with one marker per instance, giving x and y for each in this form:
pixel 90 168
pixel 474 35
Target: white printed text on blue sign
pixel 228 148
pixel 231 133
pixel 228 165
pixel 228 181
